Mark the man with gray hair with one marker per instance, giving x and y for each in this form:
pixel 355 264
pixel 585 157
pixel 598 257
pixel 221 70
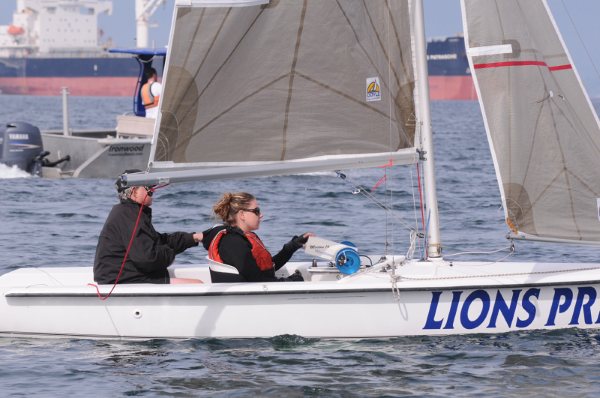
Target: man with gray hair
pixel 149 252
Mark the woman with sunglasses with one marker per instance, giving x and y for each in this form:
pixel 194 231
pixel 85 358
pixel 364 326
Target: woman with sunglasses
pixel 235 243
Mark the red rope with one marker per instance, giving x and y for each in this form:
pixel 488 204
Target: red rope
pixel 378 183
pixel 137 222
pixel 383 179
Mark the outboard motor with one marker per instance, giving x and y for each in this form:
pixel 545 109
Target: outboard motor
pixel 20 144
pixel 40 161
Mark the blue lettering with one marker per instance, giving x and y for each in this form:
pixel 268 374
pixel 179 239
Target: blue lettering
pixel 464 313
pixel 557 307
pixel 431 322
pixel 583 292
pixel 529 307
pixel 453 310
pixel 500 307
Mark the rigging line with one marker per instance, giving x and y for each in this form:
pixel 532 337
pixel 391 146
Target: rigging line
pixel 511 248
pixel 413 244
pixel 420 188
pixel 359 189
pixel 49 275
pixel 426 234
pixel 416 217
pixel 581 39
pixel 388 233
pixel 510 253
pixel 368 258
pixel 383 206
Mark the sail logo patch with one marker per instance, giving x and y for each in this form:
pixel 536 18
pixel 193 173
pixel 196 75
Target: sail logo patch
pixel 373 89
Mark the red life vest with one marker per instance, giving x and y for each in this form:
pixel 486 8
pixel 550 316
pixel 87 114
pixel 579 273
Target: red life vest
pixel 149 100
pixel 259 251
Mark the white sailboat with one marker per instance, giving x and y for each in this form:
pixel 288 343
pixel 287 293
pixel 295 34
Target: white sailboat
pixel 257 87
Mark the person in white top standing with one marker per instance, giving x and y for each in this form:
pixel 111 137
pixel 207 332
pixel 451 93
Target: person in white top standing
pixel 151 94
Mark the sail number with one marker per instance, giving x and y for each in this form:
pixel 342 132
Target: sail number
pixel 516 309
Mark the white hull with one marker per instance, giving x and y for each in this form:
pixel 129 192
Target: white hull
pixel 95 154
pixel 432 298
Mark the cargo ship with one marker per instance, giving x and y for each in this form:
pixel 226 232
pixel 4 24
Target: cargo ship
pixel 449 72
pixel 52 44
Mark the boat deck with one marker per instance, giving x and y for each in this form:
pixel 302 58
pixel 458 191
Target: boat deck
pixel 414 275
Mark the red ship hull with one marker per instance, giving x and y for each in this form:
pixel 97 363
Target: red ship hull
pixel 451 88
pixel 79 86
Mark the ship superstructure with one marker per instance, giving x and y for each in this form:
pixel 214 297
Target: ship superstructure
pixel 43 28
pixel 52 44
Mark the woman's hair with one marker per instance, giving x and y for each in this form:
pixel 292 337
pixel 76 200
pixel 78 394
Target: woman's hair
pixel 230 204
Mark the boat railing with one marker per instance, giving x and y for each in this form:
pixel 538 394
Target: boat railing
pixel 134 126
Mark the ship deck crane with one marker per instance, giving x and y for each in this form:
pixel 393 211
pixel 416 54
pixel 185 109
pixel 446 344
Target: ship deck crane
pixel 144 9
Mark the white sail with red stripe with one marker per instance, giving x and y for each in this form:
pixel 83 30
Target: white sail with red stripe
pixel 542 129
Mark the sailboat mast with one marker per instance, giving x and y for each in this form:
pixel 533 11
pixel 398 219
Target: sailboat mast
pixel 434 244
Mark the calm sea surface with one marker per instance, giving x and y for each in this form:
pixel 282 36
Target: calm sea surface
pixel 56 223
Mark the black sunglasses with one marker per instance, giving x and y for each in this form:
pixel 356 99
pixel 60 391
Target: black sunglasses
pixel 256 210
pixel 149 190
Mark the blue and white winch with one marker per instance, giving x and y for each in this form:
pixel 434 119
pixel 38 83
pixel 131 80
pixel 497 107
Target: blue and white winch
pixel 344 254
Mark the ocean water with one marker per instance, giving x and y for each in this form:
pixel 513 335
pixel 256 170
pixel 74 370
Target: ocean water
pixel 56 223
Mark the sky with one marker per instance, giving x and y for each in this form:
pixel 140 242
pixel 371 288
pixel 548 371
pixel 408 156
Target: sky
pixel 579 27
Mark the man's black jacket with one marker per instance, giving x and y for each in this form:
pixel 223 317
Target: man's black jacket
pixel 150 254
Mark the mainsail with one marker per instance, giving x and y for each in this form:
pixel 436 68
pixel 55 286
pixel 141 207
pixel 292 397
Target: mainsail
pixel 544 134
pixel 286 86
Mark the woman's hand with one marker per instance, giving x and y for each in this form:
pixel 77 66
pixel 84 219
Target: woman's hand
pixel 302 239
pixel 197 237
pixel 307 235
